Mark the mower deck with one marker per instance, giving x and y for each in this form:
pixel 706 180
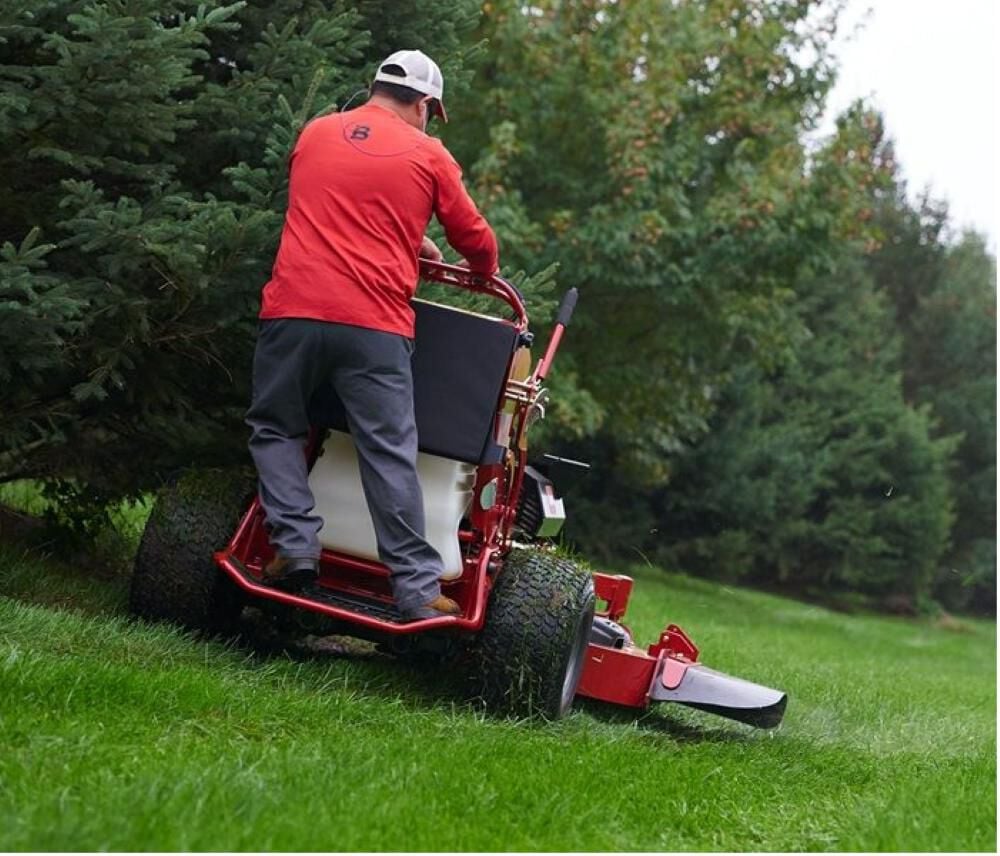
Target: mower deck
pixel 620 672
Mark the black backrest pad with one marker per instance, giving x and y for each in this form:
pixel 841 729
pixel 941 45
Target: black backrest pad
pixel 459 369
pixel 460 366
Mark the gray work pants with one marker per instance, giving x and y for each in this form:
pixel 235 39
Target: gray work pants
pixel 371 373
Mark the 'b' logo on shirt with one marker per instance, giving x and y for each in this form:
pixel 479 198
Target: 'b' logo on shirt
pixel 360 132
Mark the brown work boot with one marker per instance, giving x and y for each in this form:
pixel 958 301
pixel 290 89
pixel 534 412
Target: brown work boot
pixel 440 607
pixel 290 574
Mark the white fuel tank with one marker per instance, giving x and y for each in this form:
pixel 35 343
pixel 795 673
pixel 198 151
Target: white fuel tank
pixel 335 481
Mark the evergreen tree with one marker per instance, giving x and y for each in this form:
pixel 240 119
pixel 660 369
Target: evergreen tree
pixel 957 323
pixel 143 170
pixel 943 297
pixel 945 301
pixel 820 476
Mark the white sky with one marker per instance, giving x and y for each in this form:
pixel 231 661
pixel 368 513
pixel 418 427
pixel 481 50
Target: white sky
pixel 930 67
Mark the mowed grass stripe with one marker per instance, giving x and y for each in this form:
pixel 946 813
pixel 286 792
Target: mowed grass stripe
pixel 125 736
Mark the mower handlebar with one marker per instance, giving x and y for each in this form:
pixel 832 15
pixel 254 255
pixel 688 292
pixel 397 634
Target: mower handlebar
pixel 491 284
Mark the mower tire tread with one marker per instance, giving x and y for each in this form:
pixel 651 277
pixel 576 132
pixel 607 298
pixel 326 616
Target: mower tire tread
pixel 539 607
pixel 175 578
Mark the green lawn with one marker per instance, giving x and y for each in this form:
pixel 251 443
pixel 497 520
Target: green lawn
pixel 123 736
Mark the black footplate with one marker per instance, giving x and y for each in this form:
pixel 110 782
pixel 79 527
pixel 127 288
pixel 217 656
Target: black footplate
pixel 360 604
pixel 355 603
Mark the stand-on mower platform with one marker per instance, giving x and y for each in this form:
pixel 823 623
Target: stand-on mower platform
pixel 535 629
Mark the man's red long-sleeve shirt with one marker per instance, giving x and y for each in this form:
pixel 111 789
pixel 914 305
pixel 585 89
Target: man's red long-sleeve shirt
pixel 362 190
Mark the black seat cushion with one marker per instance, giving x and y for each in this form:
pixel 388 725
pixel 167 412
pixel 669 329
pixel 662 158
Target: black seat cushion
pixel 460 365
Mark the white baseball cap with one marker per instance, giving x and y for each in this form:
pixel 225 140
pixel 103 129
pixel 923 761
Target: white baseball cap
pixel 420 73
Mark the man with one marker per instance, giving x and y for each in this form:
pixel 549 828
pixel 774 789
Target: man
pixel 363 186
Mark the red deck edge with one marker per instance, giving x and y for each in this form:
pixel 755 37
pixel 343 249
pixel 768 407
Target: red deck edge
pixel 625 675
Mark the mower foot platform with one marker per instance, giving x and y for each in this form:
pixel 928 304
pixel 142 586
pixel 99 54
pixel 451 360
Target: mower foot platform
pixel 375 612
pixel 355 603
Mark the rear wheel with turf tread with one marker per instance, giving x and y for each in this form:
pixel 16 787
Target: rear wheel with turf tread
pixel 175 578
pixel 531 650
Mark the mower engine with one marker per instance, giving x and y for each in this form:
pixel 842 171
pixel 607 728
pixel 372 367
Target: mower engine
pixel 540 513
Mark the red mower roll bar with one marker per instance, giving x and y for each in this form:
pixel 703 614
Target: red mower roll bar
pixel 493 285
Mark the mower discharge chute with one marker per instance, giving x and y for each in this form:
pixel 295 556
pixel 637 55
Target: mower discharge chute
pixel 618 671
pixel 535 629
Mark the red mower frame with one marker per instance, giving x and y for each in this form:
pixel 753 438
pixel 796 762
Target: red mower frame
pixel 615 670
pixel 485 541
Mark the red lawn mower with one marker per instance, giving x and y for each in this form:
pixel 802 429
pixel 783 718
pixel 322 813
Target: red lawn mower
pixel 536 630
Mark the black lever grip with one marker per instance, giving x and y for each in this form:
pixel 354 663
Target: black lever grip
pixel 566 307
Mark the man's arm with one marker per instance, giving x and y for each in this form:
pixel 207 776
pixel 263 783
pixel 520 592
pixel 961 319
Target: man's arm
pixel 466 229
